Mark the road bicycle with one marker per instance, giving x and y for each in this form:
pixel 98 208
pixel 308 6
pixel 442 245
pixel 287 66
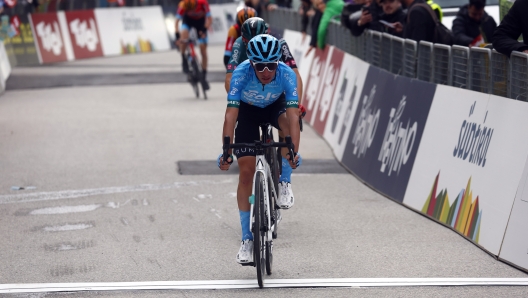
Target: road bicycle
pixel 264 213
pixel 195 75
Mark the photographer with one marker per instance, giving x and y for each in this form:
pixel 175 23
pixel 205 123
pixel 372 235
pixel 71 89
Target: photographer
pixel 367 18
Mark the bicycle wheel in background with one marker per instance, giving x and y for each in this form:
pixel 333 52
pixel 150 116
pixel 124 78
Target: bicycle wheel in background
pixel 195 76
pixel 259 235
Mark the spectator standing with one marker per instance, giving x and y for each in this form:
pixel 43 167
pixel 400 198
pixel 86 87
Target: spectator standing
pixel 330 9
pixel 420 24
pixel 472 25
pixel 316 20
pixel 366 18
pixel 306 11
pixel 514 24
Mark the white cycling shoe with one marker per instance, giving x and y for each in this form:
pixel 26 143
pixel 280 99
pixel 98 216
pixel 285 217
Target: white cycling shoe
pixel 286 198
pixel 245 253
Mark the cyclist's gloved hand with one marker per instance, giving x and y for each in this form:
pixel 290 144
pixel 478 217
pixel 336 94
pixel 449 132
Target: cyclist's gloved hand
pixel 302 111
pixel 297 158
pixel 224 166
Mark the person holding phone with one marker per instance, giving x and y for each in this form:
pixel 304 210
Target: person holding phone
pixel 366 18
pixel 392 15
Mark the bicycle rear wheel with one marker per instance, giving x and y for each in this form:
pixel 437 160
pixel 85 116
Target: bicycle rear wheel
pixel 196 77
pixel 259 234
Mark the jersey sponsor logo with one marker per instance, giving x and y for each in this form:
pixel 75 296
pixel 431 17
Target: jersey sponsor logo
pixel 233 103
pixel 233 91
pixel 286 52
pixel 294 92
pixel 235 56
pixel 292 103
pixel 252 94
pixel 229 66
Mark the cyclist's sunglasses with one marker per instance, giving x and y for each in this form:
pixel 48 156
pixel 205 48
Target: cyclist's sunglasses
pixel 261 66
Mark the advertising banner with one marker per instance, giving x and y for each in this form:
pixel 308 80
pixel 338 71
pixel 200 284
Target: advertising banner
pixel 21 48
pixel 299 48
pixel 50 43
pixel 83 34
pixel 132 30
pixel 315 76
pixel 345 103
pixel 515 245
pixel 469 164
pixel 327 89
pixel 387 130
pixel 224 16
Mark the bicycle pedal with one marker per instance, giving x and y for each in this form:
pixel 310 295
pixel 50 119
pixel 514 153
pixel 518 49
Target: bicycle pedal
pixel 248 264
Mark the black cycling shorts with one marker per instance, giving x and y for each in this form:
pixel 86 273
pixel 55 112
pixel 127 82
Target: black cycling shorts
pixel 198 24
pixel 248 123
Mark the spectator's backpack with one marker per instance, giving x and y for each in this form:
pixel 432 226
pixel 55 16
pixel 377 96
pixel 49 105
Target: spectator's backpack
pixel 442 34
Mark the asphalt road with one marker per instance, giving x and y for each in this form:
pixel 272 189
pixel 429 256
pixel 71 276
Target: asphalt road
pixel 90 191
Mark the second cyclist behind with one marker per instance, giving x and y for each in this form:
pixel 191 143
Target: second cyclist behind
pixel 193 14
pixel 234 31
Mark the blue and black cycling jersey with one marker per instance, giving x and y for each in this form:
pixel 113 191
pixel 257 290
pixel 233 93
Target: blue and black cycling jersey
pixel 246 87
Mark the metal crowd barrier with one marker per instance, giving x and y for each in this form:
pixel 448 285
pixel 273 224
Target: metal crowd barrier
pixel 479 69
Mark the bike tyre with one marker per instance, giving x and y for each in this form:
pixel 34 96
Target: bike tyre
pixel 259 239
pixel 271 157
pixel 196 77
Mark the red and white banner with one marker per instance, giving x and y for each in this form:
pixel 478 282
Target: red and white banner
pixel 84 34
pixel 315 77
pixel 48 36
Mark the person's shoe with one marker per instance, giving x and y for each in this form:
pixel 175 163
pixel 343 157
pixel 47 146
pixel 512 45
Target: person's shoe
pixel 285 195
pixel 245 253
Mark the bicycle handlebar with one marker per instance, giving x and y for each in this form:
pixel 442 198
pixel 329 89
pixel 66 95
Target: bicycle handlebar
pixel 258 144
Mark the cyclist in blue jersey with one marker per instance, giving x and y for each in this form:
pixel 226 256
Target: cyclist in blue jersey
pixel 251 28
pixel 254 98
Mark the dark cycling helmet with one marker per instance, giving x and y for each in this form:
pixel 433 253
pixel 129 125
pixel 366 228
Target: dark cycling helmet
pixel 244 14
pixel 253 27
pixel 264 48
pixel 189 4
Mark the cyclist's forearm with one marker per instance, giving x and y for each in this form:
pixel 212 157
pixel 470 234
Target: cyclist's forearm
pixel 208 22
pixel 229 124
pixel 228 81
pixel 299 84
pixel 295 131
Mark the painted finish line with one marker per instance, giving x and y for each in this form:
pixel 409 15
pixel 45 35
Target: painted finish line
pixel 252 284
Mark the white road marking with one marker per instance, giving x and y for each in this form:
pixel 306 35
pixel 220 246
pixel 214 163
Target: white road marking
pixel 65 209
pixel 71 194
pixel 67 227
pixel 268 283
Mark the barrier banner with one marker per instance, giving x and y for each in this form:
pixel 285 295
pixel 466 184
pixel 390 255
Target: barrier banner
pixel 84 34
pixel 132 30
pixel 315 76
pixel 387 130
pixel 298 49
pixel 224 16
pixel 515 245
pixel 327 89
pixel 345 103
pixel 470 160
pixel 21 48
pixel 48 34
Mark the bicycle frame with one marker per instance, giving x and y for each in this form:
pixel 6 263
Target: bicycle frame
pixel 262 166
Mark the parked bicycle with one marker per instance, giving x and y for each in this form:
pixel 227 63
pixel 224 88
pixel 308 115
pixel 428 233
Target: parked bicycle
pixel 264 213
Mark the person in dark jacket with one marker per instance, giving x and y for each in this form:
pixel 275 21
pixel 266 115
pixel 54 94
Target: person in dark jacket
pixel 420 24
pixel 392 13
pixel 514 24
pixel 472 25
pixel 306 11
pixel 367 18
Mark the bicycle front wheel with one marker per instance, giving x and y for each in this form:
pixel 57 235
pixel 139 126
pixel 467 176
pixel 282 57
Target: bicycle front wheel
pixel 259 233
